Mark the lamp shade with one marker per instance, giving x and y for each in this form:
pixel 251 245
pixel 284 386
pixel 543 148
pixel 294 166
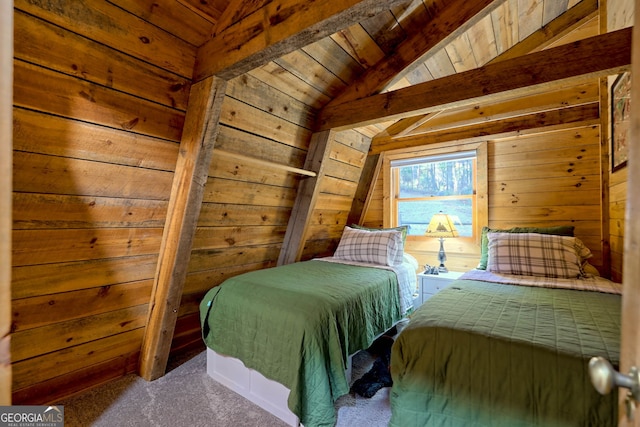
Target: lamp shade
pixel 441 225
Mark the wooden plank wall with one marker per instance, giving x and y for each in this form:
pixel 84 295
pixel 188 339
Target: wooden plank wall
pixel 6 97
pixel 619 14
pixel 98 115
pixel 100 95
pixel 99 112
pixel 348 153
pixel 539 179
pixel 247 203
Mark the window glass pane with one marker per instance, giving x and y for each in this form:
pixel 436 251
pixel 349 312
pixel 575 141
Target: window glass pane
pixel 442 178
pixel 417 214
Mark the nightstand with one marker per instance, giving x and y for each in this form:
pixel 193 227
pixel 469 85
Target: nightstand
pixel 430 284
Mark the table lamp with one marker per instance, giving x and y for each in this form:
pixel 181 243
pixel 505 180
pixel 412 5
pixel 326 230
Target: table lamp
pixel 441 226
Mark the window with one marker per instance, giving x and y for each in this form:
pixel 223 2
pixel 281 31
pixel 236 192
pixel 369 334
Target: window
pixel 423 186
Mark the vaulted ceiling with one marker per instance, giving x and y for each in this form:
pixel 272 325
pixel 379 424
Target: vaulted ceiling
pixel 396 44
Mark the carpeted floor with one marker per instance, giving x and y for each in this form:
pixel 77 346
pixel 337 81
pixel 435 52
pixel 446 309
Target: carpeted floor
pixel 187 396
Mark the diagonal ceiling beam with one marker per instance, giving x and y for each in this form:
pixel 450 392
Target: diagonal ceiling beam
pixel 562 25
pixel 519 125
pixel 505 108
pixel 594 57
pixel 277 28
pixel 308 191
pixel 456 18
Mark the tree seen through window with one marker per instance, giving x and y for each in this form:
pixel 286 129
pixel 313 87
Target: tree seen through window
pixel 423 187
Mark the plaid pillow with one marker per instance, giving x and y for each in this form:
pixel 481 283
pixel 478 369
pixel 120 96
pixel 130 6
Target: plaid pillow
pixel 582 250
pixel 375 247
pixel 532 254
pixel 560 230
pixel 403 228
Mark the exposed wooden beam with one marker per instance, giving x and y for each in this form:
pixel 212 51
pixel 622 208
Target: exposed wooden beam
pixel 576 62
pixel 450 22
pixel 562 25
pixel 277 28
pixel 196 148
pixel 503 109
pixel 308 190
pixel 417 123
pixel 6 181
pixel 369 176
pixel 521 125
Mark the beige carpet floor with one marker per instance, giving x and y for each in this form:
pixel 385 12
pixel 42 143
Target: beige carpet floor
pixel 187 396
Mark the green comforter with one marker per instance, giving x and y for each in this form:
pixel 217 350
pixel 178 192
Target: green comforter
pixel 486 354
pixel 297 324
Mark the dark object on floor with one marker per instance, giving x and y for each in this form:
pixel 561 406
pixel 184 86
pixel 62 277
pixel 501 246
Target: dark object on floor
pixel 379 375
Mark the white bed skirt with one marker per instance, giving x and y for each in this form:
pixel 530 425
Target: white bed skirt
pixel 252 385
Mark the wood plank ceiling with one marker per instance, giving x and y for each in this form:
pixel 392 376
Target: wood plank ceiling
pixel 342 66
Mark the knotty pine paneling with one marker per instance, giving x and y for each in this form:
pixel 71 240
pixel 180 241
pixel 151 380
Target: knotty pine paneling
pixel 302 65
pixel 232 140
pixel 53 278
pixel 246 205
pixel 217 258
pixel 347 156
pixel 101 93
pixel 541 179
pixel 6 78
pixel 254 92
pixel 37 173
pixel 63 50
pixel 59 366
pixel 199 282
pixel 619 14
pixel 564 156
pixel 239 115
pixel 98 114
pixel 36 312
pixel 59 94
pixel 172 16
pixel 36 132
pixel 279 78
pixel 112 26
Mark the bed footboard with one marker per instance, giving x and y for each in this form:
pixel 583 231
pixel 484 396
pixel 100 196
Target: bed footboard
pixel 253 386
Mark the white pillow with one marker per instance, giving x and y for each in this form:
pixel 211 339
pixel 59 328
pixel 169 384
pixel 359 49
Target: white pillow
pixel 533 254
pixel 375 247
pixel 411 260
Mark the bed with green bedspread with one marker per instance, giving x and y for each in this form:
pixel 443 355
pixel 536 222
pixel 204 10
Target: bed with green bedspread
pixel 491 354
pixel 298 323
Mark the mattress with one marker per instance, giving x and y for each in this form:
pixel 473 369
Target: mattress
pixel 297 324
pixel 495 354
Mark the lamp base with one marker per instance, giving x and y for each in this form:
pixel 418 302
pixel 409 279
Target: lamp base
pixel 442 257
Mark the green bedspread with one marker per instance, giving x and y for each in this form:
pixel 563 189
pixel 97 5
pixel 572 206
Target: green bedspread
pixel 297 324
pixel 486 354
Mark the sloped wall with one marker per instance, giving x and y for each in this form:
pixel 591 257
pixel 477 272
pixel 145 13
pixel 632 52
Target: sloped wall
pixel 99 103
pixel 249 192
pixel 251 189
